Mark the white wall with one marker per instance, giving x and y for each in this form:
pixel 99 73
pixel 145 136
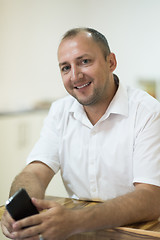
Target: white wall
pixel 132 27
pixel 30 31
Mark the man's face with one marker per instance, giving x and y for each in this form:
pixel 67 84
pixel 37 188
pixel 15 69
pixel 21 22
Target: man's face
pixel 85 71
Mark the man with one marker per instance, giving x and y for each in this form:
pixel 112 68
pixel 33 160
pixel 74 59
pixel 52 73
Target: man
pixel 105 140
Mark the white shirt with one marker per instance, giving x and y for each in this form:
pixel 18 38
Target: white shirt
pixel 103 161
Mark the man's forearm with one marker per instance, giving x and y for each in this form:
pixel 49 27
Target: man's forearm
pixel 30 182
pixel 140 205
pixel 34 178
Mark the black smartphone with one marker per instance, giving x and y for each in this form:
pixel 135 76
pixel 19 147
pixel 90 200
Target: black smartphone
pixel 20 205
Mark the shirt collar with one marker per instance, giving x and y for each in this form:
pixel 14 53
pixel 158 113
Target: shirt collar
pixel 78 112
pixel 119 103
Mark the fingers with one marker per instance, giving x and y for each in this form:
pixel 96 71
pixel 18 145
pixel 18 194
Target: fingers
pixel 31 221
pixel 6 224
pixel 27 233
pixel 43 204
pixel 28 227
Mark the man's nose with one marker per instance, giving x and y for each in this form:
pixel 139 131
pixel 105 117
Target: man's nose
pixel 76 74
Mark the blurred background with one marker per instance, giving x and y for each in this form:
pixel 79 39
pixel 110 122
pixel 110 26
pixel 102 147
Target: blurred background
pixel 30 31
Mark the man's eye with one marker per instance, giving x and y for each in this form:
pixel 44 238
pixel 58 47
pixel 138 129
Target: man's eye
pixel 65 69
pixel 85 61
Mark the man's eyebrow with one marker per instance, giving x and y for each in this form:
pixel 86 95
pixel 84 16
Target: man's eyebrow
pixel 84 55
pixel 63 63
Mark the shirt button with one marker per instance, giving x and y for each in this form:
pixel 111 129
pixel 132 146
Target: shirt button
pixel 93 189
pixel 93 132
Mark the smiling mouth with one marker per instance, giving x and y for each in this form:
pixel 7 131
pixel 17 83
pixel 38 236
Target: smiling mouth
pixel 85 85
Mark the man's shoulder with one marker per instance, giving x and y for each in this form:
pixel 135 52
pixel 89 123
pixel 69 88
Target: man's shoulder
pixel 141 99
pixel 67 100
pixel 62 105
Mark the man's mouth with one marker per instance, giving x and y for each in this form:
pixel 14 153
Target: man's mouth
pixel 82 86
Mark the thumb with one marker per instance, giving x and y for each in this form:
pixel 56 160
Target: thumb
pixel 41 204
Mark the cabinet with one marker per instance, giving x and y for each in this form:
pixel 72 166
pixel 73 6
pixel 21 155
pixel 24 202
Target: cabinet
pixel 18 134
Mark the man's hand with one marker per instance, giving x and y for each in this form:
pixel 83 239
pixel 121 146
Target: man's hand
pixel 57 222
pixel 6 224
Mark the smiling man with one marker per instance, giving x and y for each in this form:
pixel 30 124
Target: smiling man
pixel 86 71
pixel 103 137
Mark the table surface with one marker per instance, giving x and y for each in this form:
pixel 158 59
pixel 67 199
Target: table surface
pixel 147 230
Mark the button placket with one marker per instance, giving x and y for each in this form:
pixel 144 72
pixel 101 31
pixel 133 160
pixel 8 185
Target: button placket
pixel 92 164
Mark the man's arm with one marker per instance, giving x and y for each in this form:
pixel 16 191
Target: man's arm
pixel 143 204
pixel 34 178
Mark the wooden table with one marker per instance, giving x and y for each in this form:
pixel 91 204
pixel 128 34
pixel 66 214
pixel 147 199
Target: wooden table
pixel 147 231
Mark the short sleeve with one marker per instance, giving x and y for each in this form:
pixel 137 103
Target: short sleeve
pixel 146 157
pixel 46 148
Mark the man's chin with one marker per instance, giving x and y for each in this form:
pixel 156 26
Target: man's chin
pixel 86 102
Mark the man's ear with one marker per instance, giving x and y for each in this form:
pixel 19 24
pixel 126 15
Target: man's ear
pixel 112 61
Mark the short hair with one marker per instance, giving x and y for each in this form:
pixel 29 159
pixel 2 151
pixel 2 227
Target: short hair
pixel 96 36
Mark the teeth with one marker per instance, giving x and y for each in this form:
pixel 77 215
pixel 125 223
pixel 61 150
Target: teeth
pixel 83 85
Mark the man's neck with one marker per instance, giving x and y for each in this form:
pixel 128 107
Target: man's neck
pixel 96 111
